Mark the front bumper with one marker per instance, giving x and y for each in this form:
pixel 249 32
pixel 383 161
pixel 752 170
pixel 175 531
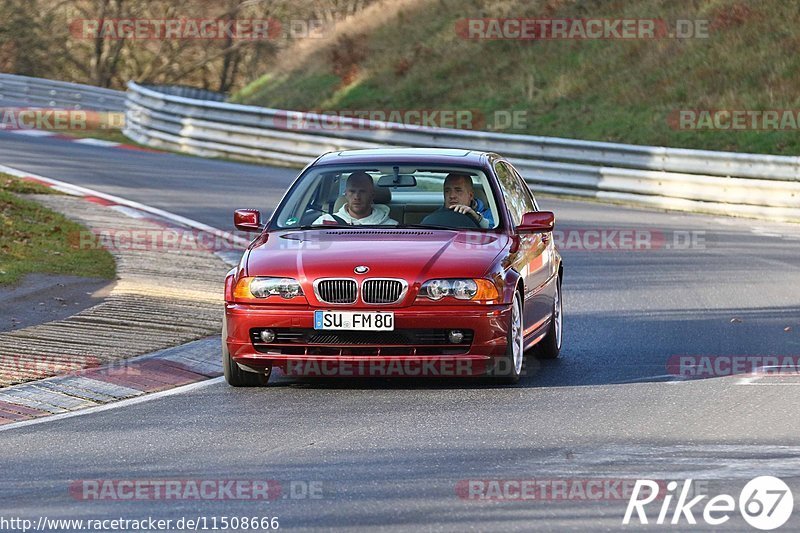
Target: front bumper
pixel 488 324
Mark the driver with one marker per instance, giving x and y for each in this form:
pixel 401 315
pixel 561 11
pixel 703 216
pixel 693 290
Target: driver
pixel 459 195
pixel 359 209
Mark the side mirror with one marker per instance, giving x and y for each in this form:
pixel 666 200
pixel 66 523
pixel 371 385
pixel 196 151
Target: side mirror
pixel 537 222
pixel 247 219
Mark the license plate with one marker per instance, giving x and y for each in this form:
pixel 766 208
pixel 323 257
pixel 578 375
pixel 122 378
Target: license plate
pixel 354 320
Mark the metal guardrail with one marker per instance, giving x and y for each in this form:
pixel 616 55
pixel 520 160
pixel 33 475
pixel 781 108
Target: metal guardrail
pixel 188 92
pixel 37 92
pixel 697 180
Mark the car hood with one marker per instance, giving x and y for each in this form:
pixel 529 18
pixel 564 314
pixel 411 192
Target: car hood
pixel 414 255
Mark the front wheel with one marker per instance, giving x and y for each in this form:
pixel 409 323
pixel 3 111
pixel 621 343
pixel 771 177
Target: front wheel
pixel 235 376
pixel 508 369
pixel 550 346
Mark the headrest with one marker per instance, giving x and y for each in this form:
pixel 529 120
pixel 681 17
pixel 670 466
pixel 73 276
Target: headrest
pixel 480 195
pixel 383 195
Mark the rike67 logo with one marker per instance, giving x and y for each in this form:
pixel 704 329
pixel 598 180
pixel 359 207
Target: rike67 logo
pixel 765 503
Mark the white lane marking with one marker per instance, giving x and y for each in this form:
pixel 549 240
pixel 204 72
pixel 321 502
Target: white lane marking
pixel 114 405
pixel 777 231
pixel 77 190
pixel 746 380
pixel 763 377
pixel 128 211
pixel 97 142
pixel 65 190
pixel 767 384
pixel 34 133
pixel 662 378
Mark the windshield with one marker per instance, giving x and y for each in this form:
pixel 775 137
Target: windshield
pixel 394 195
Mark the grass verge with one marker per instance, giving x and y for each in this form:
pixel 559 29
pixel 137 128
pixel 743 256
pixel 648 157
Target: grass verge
pixel 618 90
pixel 36 239
pixel 113 135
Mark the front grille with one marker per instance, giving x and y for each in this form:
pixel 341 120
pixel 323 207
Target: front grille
pixel 336 291
pixel 358 337
pixel 297 341
pixel 382 291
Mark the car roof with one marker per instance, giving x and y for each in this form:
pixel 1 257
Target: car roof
pixel 444 156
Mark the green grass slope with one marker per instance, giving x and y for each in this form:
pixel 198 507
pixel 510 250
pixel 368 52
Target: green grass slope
pixel 610 90
pixel 36 239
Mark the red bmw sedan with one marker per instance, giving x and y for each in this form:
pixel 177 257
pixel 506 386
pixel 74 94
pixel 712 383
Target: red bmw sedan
pixel 396 262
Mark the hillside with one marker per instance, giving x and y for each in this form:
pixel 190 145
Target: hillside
pixel 412 55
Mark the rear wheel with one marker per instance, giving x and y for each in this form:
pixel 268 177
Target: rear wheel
pixel 508 369
pixel 235 376
pixel 550 346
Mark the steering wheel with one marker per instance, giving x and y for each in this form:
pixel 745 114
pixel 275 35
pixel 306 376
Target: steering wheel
pixel 450 218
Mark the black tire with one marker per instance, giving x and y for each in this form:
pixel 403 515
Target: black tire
pixel 235 376
pixel 550 346
pixel 508 369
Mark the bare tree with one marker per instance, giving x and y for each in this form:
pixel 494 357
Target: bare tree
pixel 46 38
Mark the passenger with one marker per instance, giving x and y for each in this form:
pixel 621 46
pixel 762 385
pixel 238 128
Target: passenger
pixel 359 208
pixel 459 195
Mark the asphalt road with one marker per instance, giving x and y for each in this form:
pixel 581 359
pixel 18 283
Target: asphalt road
pixel 200 189
pixel 392 454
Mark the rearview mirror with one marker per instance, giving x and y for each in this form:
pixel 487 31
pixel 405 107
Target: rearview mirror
pixel 397 180
pixel 247 219
pixel 537 222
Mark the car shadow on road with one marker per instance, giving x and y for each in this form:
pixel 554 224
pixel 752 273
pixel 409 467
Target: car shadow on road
pixel 628 347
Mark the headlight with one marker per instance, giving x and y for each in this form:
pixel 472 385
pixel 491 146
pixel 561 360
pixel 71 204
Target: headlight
pixel 286 288
pixel 464 289
pixel 436 289
pixel 460 289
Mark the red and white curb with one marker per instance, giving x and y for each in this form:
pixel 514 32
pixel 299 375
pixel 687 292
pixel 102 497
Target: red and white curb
pixel 88 389
pixel 126 381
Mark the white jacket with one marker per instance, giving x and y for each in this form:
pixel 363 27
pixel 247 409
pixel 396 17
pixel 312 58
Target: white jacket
pixel 379 216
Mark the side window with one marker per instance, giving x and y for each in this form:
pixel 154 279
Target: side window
pixel 515 192
pixel 533 205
